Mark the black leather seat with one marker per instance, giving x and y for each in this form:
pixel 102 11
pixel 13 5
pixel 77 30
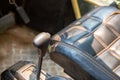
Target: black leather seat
pixel 89 48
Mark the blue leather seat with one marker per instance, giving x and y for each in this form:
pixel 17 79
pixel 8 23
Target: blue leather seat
pixel 89 48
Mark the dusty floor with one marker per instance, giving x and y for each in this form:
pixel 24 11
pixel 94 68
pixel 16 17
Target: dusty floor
pixel 16 45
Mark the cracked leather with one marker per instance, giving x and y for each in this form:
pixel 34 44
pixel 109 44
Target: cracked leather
pixel 89 48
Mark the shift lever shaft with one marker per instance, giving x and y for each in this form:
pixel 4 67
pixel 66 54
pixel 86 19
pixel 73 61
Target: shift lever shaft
pixel 41 41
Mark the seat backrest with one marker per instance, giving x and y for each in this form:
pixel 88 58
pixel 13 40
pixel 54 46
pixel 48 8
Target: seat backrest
pixel 98 34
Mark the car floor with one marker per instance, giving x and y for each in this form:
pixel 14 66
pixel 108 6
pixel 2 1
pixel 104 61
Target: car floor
pixel 16 45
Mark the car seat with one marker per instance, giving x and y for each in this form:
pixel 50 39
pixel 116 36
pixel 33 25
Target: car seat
pixel 89 48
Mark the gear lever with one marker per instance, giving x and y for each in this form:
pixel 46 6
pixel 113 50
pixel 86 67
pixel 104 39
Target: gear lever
pixel 41 41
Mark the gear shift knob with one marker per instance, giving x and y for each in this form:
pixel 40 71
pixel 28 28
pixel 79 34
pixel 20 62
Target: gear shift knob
pixel 41 39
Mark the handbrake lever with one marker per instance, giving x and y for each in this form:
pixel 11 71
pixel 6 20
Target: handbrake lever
pixel 41 41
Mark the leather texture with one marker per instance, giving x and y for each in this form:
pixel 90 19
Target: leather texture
pixel 89 48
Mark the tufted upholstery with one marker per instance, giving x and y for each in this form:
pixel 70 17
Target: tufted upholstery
pixel 89 48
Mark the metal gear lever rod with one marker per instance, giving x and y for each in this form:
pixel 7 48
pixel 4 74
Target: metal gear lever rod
pixel 41 41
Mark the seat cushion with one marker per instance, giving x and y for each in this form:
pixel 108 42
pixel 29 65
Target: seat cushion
pixel 98 35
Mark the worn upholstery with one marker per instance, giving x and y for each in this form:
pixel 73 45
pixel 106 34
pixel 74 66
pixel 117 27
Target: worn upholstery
pixel 89 48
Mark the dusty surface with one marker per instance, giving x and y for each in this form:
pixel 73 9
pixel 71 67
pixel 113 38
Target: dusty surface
pixel 16 44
